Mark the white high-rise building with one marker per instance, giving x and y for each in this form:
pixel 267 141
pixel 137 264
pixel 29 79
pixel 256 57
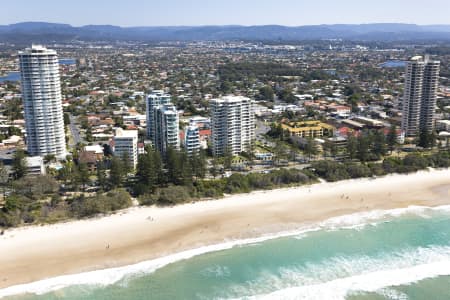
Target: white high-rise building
pixel 156 98
pixel 232 124
pixel 420 94
pixel 41 93
pixel 192 139
pixel 429 94
pixel 166 128
pixel 126 142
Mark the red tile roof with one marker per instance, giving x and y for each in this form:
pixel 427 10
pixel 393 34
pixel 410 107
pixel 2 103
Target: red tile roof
pixel 205 132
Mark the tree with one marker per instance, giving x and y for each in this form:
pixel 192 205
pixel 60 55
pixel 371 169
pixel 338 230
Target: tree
pixel 66 119
pixel 214 168
pixel 35 187
pixel 250 153
pixel 83 175
pixel 172 195
pixel 19 164
pixel 157 170
pixel 266 93
pixel 352 147
pixel 279 152
pixel 227 159
pixel 363 148
pixel 287 95
pixel 326 148
pixel 353 102
pixel 276 131
pixel 116 172
pixel 379 144
pixel 126 163
pixel 84 123
pixel 311 148
pixel 88 135
pixel 149 172
pixel 144 173
pixel 330 147
pixel 392 138
pixel 174 166
pixel 4 178
pixel 333 149
pixel 107 150
pixel 198 164
pixel 226 87
pixel 13 109
pixel 102 179
pixel 49 158
pixel 186 168
pixel 13 130
pixel 12 203
pixel 426 139
pixel 179 170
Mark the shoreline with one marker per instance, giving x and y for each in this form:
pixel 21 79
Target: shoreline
pixel 30 254
pixel 105 277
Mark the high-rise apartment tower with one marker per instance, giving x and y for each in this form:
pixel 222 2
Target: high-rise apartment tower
pixel 156 98
pixel 41 93
pixel 166 128
pixel 232 125
pixel 419 99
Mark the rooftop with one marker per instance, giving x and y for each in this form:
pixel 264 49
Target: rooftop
pixel 119 132
pixel 37 49
pixel 230 99
pixel 94 148
pixel 33 161
pixel 306 125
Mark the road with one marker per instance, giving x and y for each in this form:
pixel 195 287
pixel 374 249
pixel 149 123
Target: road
pixel 75 131
pixel 261 129
pixel 268 168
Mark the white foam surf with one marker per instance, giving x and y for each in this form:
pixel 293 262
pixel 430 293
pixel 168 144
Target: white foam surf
pixel 392 294
pixel 112 275
pixel 338 289
pixel 339 277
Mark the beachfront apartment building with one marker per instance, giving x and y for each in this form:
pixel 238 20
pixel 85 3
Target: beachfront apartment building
pixel 192 139
pixel 156 98
pixel 420 94
pixel 35 165
pixel 125 143
pixel 166 128
pixel 232 125
pixel 443 125
pixel 42 101
pixel 308 129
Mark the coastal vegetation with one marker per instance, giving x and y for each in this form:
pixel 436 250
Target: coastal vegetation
pixel 160 181
pixel 176 178
pixel 234 184
pixel 335 171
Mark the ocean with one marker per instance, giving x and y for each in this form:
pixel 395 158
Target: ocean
pixel 395 254
pixel 15 76
pixel 393 64
pixel 12 76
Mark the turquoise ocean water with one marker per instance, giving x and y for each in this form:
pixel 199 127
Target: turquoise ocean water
pixel 397 254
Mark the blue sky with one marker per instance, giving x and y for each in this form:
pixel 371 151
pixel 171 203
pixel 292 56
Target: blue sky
pixel 222 12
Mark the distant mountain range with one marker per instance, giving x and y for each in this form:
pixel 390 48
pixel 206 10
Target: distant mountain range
pixel 46 32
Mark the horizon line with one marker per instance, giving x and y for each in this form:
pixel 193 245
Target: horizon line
pixel 229 25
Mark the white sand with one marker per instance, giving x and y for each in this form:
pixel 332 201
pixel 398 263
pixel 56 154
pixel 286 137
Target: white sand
pixel 33 253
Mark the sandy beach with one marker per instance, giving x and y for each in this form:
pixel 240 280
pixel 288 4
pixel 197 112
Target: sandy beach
pixel 33 253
